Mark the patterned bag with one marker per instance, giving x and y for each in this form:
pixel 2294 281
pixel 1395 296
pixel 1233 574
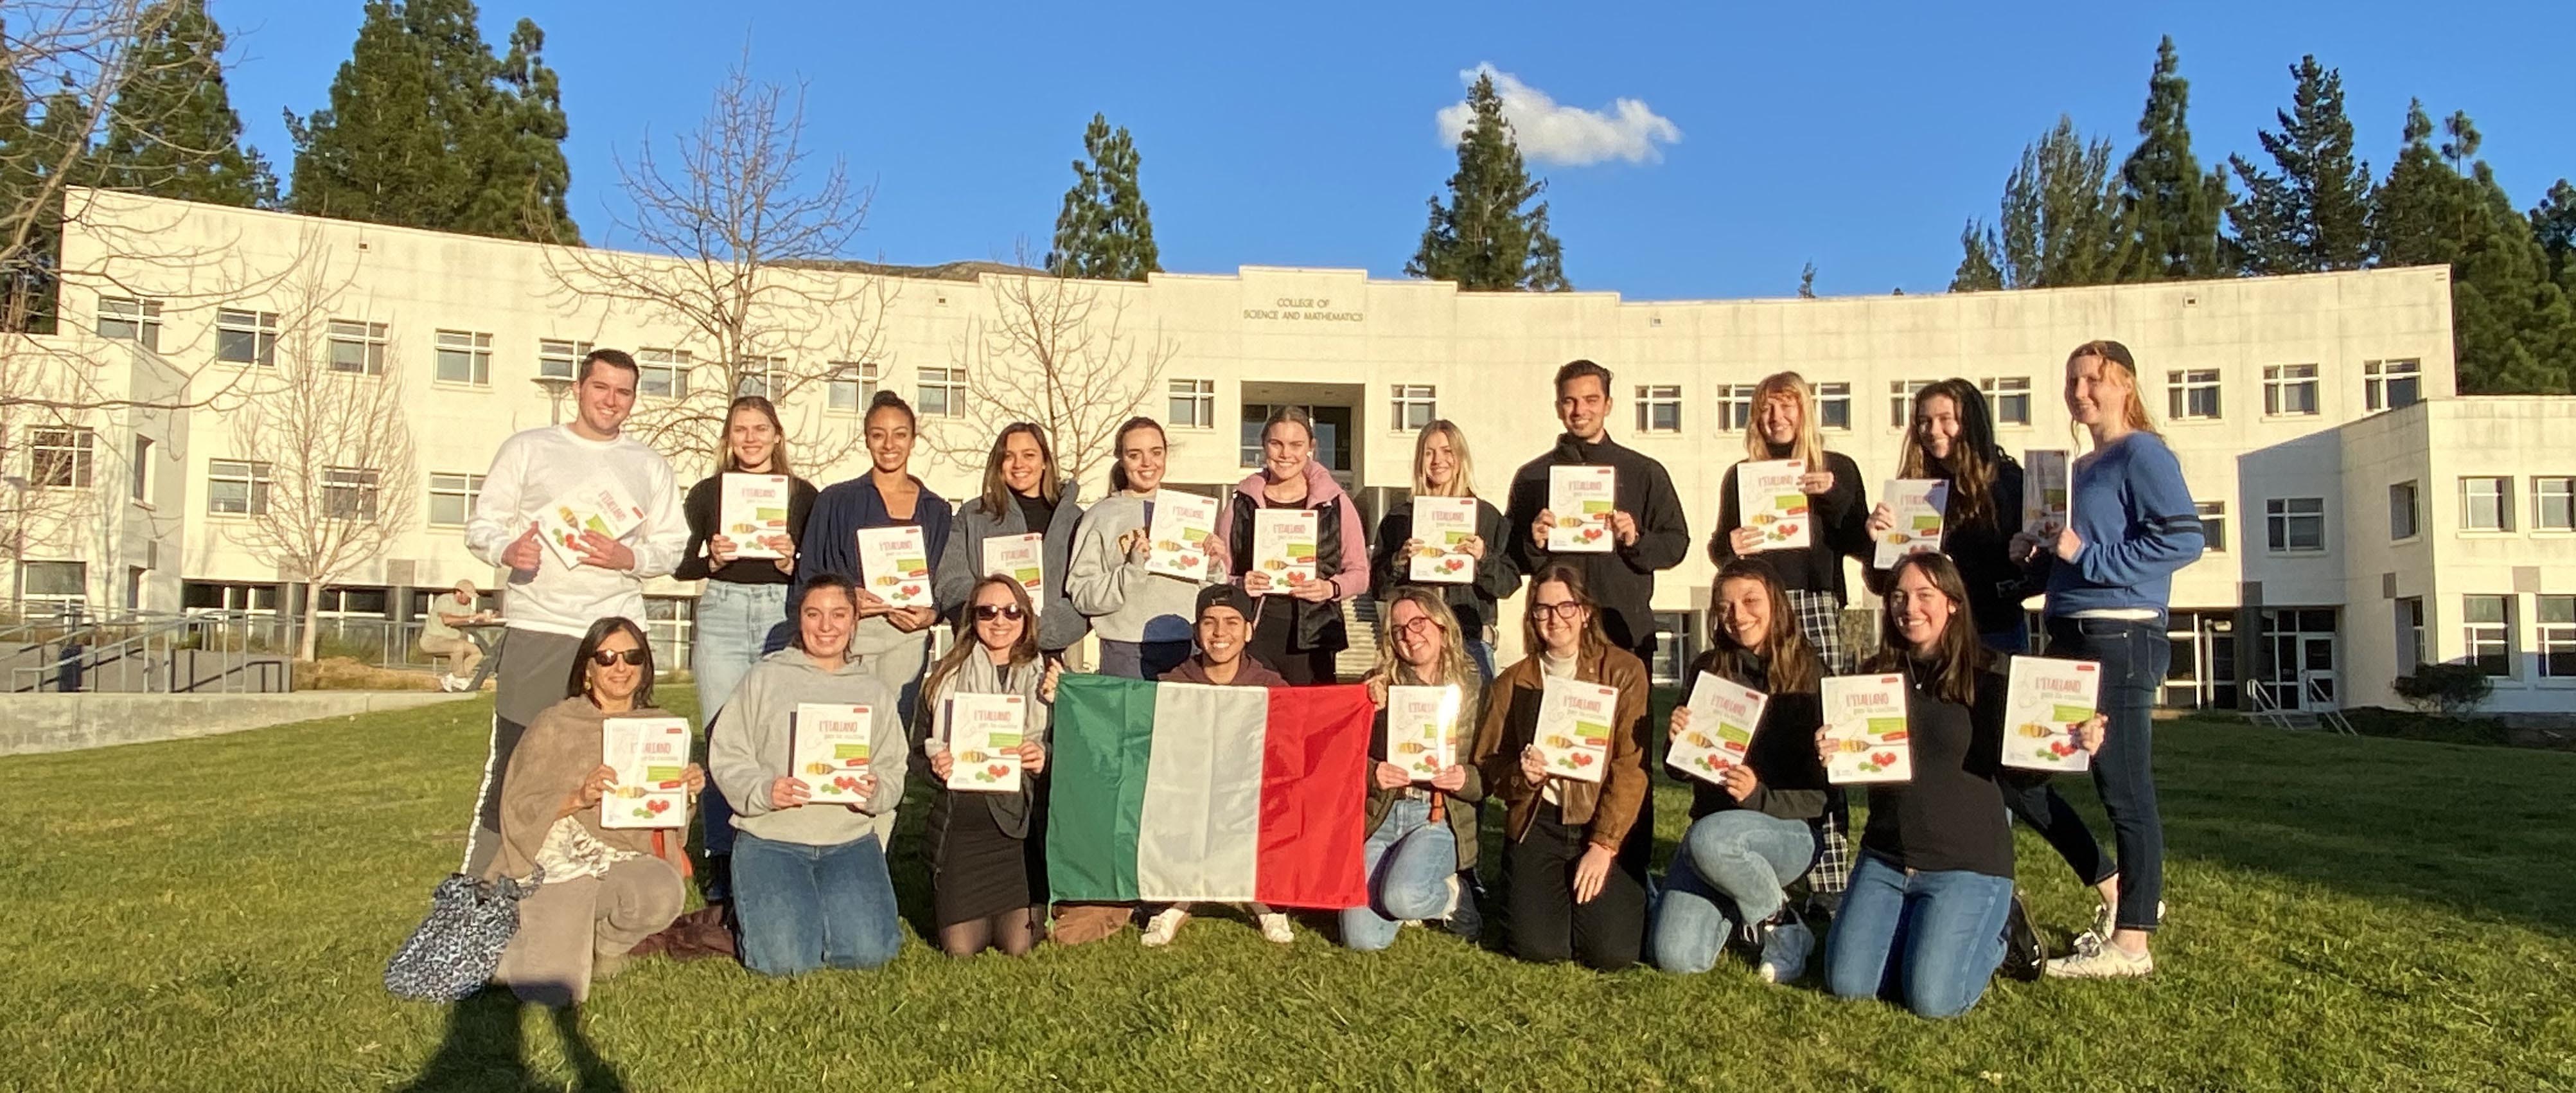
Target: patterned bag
pixel 457 948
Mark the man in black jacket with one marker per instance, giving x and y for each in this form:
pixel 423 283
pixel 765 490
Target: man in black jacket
pixel 1648 532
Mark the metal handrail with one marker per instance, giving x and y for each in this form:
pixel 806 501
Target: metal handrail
pixel 152 648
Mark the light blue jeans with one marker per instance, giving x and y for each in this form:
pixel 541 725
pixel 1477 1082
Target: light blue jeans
pixel 733 621
pixel 1408 861
pixel 1928 939
pixel 1730 871
pixel 806 907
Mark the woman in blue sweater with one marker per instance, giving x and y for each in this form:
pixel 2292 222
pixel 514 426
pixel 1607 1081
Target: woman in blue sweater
pixel 2110 576
pixel 894 642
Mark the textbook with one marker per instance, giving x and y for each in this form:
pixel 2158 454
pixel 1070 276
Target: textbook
pixel 1768 500
pixel 601 507
pixel 1581 497
pixel 984 734
pixel 2043 703
pixel 1575 720
pixel 1177 542
pixel 1723 715
pixel 1917 505
pixel 651 758
pixel 828 750
pixel 895 564
pixel 1422 730
pixel 1022 558
pixel 1441 523
pixel 1283 546
pixel 2044 478
pixel 752 512
pixel 1865 728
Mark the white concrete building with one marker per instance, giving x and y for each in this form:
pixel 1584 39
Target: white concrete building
pixel 2288 376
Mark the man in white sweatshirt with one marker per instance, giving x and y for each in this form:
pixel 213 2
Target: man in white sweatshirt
pixel 552 603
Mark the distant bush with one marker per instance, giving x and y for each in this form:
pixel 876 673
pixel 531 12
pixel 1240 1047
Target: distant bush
pixel 2450 689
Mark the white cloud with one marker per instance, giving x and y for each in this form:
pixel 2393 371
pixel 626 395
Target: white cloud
pixel 1552 132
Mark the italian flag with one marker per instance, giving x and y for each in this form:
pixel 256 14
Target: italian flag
pixel 1171 792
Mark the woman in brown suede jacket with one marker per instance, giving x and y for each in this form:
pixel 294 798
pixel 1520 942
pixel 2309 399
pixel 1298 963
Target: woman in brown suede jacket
pixel 1576 850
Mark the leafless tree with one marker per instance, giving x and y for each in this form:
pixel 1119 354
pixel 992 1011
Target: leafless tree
pixel 331 436
pixel 1060 354
pixel 742 226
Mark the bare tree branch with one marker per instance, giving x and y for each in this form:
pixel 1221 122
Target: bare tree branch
pixel 1059 355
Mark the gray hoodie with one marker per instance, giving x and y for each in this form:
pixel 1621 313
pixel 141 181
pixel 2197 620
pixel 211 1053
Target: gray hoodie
pixel 752 750
pixel 1059 623
pixel 1123 601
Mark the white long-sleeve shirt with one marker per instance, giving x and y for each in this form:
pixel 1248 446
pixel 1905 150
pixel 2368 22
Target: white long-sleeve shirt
pixel 533 469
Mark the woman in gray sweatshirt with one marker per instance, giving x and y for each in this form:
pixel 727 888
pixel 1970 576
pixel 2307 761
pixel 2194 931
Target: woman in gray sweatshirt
pixel 1023 495
pixel 809 873
pixel 1143 618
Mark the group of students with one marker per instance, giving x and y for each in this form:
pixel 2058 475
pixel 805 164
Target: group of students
pixel 1922 904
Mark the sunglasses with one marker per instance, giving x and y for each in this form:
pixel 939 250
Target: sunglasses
pixel 989 612
pixel 606 657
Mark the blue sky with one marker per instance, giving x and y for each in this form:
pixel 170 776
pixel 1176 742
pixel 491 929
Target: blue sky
pixel 1859 137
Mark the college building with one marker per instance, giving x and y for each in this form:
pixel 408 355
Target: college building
pixel 2362 517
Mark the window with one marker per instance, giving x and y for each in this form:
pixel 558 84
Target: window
pixel 558 359
pixel 245 337
pixel 54 582
pixel 943 392
pixel 852 386
pixel 669 622
pixel 1193 404
pixel 452 497
pixel 236 488
pixel 2410 634
pixel 59 458
pixel 2486 504
pixel 2553 504
pixel 2490 633
pixel 2289 390
pixel 1900 402
pixel 662 373
pixel 130 320
pixel 223 596
pixel 349 493
pixel 2008 397
pixel 358 347
pixel 1659 409
pixel 2403 517
pixel 2213 524
pixel 2295 524
pixel 464 357
pixel 1833 405
pixel 2558 637
pixel 352 602
pixel 141 489
pixel 1415 405
pixel 757 375
pixel 1735 408
pixel 2191 395
pixel 2390 385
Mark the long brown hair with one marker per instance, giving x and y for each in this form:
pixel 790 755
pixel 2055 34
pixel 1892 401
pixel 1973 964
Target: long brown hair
pixel 1793 667
pixel 1593 639
pixel 1118 443
pixel 2115 355
pixel 1973 456
pixel 1809 446
pixel 1454 668
pixel 1957 656
pixel 579 685
pixel 724 442
pixel 997 493
pixel 1023 652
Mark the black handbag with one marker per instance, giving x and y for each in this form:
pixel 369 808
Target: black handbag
pixel 458 946
pixel 2025 955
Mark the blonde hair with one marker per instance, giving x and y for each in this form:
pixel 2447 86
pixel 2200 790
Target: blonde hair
pixel 1454 668
pixel 1809 447
pixel 1464 484
pixel 2115 355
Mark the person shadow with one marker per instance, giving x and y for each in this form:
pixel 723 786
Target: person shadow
pixel 483 1050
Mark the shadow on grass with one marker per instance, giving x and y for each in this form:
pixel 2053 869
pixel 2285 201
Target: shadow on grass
pixel 483 1050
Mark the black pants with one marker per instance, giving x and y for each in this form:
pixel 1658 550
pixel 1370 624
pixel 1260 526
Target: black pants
pixel 1301 668
pixel 1547 925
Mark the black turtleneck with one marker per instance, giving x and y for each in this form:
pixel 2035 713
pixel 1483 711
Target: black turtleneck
pixel 1951 816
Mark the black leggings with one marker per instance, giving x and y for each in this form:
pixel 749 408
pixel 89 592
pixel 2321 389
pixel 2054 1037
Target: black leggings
pixel 1608 933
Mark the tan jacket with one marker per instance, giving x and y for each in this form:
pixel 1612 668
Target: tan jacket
pixel 553 758
pixel 1511 718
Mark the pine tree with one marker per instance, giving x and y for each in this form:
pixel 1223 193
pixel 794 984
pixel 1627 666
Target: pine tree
pixel 2553 223
pixel 2513 329
pixel 1105 232
pixel 1483 239
pixel 1807 282
pixel 525 180
pixel 2411 208
pixel 2314 214
pixel 173 132
pixel 1977 272
pixel 2059 223
pixel 2169 208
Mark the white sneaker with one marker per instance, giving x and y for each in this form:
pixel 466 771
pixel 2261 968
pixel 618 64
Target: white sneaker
pixel 1160 928
pixel 1785 945
pixel 2104 961
pixel 1274 928
pixel 1457 893
pixel 447 683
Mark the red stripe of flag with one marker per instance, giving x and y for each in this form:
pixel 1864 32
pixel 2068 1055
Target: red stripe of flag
pixel 1314 769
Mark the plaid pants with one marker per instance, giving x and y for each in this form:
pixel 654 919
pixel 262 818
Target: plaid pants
pixel 1820 618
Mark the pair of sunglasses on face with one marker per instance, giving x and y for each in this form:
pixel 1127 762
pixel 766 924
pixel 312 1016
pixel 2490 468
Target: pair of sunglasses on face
pixel 606 657
pixel 989 612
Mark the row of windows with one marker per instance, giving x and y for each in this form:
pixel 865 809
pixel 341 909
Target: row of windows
pixel 2291 390
pixel 2492 639
pixel 2294 525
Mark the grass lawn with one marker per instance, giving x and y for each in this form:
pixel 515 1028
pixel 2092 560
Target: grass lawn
pixel 215 914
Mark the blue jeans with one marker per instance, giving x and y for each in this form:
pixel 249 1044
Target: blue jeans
pixel 733 621
pixel 2134 656
pixel 1408 861
pixel 805 907
pixel 1930 940
pixel 1482 656
pixel 1729 872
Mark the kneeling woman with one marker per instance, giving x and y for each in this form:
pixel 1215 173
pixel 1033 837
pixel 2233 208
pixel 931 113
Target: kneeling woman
pixel 605 888
pixel 1936 861
pixel 1421 837
pixel 809 878
pixel 988 886
pixel 1754 833
pixel 1576 850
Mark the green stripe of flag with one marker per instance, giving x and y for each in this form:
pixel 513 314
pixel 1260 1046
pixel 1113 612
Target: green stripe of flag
pixel 1104 737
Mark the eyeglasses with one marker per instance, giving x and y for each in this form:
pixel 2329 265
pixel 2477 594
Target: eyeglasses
pixel 606 657
pixel 1419 624
pixel 988 612
pixel 1565 610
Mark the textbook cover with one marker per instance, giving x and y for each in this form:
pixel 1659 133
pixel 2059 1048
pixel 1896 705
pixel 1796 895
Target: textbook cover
pixel 1283 546
pixel 1022 558
pixel 2044 477
pixel 600 507
pixel 1441 523
pixel 1177 542
pixel 1723 715
pixel 2044 701
pixel 828 750
pixel 1575 720
pixel 1582 499
pixel 984 734
pixel 1768 500
pixel 752 511
pixel 1422 730
pixel 1917 504
pixel 650 756
pixel 1865 730
pixel 895 563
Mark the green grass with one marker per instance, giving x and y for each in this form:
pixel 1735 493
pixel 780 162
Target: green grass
pixel 215 914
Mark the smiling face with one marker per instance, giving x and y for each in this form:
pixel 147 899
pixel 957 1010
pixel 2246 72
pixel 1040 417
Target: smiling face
pixel 890 439
pixel 1285 448
pixel 1583 405
pixel 1140 453
pixel 1920 611
pixel 824 621
pixel 606 396
pixel 613 686
pixel 751 439
pixel 2097 391
pixel 1936 425
pixel 1418 637
pixel 1561 618
pixel 1779 417
pixel 1439 462
pixel 1221 631
pixel 1023 465
pixel 1744 613
pixel 1003 629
